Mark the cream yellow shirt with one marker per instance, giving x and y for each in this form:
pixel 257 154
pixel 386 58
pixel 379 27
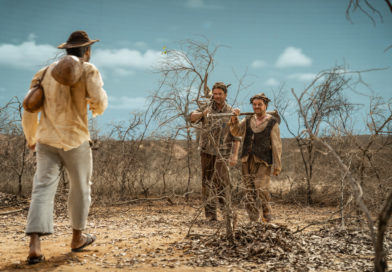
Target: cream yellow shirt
pixel 239 128
pixel 63 120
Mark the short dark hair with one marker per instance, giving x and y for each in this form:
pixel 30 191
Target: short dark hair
pixel 262 97
pixel 77 51
pixel 222 86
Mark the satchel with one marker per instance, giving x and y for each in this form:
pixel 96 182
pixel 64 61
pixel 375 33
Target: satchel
pixel 35 97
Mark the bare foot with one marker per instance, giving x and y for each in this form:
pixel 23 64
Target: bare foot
pixel 35 245
pixel 78 239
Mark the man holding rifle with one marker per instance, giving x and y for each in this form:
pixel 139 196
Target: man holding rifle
pixel 218 148
pixel 262 148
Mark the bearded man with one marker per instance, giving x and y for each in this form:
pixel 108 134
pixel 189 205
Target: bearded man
pixel 218 150
pixel 262 149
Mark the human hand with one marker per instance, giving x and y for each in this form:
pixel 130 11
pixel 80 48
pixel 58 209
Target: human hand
pixel 236 112
pixel 31 147
pixel 206 112
pixel 232 160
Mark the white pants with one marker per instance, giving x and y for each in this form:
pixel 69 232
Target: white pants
pixel 78 163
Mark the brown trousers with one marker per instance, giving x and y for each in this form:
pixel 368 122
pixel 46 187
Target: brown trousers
pixel 215 183
pixel 256 177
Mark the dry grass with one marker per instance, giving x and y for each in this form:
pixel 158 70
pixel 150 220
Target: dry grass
pixel 131 169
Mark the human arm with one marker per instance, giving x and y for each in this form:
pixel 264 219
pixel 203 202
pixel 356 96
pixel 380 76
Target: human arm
pixel 97 97
pixel 237 128
pixel 30 125
pixel 276 144
pixel 234 154
pixel 197 115
pixel 30 120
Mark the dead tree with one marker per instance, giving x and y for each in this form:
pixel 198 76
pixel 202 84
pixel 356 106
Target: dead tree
pixel 356 188
pixel 380 261
pixel 366 8
pixel 10 118
pixel 184 87
pixel 320 101
pixel 184 73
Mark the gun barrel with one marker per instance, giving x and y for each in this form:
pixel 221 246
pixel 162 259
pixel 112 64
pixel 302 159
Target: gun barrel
pixel 228 114
pixel 218 115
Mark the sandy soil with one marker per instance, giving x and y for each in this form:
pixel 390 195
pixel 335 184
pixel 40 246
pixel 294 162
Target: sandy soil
pixel 133 236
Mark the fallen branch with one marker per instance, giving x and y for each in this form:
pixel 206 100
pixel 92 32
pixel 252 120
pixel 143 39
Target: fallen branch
pixel 14 211
pixel 316 223
pixel 144 199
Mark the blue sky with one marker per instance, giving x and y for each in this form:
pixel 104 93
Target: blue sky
pixel 276 42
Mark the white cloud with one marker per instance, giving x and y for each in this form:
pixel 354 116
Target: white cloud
pixel 27 55
pixel 126 58
pixel 30 55
pixel 302 77
pixel 259 64
pixel 122 72
pixel 272 82
pixel 292 57
pixel 201 4
pixel 125 102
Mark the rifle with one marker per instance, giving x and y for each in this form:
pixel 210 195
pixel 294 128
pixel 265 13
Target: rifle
pixel 225 114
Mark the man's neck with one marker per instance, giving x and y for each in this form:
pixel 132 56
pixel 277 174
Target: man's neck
pixel 261 115
pixel 220 105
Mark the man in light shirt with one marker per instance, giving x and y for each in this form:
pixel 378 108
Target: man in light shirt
pixel 262 149
pixel 61 137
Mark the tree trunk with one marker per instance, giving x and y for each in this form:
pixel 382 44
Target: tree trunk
pixel 380 261
pixel 189 153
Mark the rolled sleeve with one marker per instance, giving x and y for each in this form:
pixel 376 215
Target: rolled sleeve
pixel 237 128
pixel 276 143
pixel 30 125
pixel 97 99
pixel 30 120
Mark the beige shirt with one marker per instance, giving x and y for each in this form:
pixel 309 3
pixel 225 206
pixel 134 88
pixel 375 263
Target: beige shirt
pixel 215 134
pixel 63 120
pixel 239 129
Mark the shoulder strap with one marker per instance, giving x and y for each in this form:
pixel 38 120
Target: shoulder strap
pixel 43 75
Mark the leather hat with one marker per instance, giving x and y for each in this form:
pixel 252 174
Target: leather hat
pixel 68 70
pixel 77 39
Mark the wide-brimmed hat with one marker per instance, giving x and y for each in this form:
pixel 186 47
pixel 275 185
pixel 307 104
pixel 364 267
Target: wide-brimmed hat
pixel 77 39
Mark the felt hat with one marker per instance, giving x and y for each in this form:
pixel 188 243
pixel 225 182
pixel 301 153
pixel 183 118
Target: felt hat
pixel 78 38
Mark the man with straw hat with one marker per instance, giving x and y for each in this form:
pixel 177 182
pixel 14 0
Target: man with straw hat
pixel 61 138
pixel 262 148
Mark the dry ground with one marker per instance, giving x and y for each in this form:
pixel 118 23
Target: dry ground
pixel 150 236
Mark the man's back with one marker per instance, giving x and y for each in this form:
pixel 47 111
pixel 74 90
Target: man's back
pixel 64 117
